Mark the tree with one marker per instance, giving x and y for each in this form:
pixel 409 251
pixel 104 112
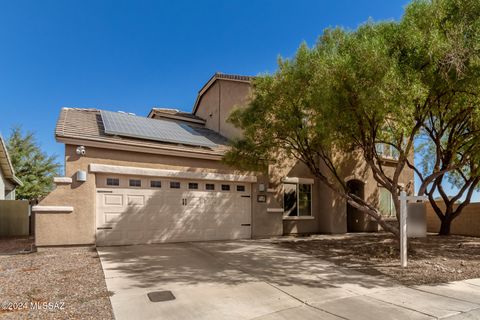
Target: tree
pixel 382 84
pixel 295 112
pixel 443 47
pixel 32 166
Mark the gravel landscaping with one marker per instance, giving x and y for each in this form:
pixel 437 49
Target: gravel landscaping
pixel 434 259
pixel 55 283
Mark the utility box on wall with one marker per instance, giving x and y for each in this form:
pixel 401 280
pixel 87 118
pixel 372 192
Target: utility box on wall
pixel 81 176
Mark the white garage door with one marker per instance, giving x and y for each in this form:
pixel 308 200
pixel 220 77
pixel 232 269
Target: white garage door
pixel 134 210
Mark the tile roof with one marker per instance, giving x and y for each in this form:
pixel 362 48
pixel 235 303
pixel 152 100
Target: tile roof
pixel 87 124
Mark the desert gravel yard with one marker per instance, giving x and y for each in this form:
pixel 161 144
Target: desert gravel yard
pixel 434 259
pixel 70 279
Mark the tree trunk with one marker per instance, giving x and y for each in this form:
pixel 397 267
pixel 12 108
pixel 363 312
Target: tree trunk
pixel 445 226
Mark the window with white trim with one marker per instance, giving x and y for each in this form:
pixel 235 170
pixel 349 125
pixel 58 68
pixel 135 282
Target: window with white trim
pixel 386 205
pixel 297 199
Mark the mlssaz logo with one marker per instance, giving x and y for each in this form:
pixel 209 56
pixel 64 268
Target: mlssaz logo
pixel 47 305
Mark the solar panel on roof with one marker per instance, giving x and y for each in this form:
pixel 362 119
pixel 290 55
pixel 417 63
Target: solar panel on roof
pixel 122 124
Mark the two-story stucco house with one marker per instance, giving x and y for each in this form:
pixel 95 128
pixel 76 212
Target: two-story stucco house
pixel 133 179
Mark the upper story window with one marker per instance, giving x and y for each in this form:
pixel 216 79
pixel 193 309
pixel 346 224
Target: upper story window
pixel 135 183
pixel 225 187
pixel 114 182
pixel 297 199
pixel 387 151
pixel 241 188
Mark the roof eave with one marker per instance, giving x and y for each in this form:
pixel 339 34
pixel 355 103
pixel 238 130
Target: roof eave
pixel 127 146
pixel 8 169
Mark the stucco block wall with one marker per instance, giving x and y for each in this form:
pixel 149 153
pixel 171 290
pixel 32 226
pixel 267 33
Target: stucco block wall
pixel 264 224
pixel 14 218
pixel 78 227
pixel 466 224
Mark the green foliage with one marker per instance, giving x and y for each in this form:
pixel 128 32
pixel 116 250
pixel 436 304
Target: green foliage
pixel 389 83
pixel 32 166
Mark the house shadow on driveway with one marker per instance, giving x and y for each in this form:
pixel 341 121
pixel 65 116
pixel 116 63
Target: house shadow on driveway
pixel 228 263
pixel 255 279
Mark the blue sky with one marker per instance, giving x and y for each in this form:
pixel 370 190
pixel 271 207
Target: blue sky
pixel 133 55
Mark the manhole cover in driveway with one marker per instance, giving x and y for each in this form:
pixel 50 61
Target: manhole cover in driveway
pixel 159 296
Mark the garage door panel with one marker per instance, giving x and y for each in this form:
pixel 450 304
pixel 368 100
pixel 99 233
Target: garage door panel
pixel 112 217
pixel 135 200
pixel 113 200
pixel 138 215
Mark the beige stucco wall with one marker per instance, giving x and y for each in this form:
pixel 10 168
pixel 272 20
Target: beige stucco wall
pixel 466 224
pixel 78 227
pixel 219 101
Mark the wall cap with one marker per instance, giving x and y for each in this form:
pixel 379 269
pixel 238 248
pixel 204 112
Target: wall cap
pixel 298 180
pixel 62 180
pixel 124 170
pixel 299 218
pixel 271 210
pixel 65 209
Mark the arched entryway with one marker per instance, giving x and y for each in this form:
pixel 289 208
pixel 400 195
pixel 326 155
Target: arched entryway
pixel 357 221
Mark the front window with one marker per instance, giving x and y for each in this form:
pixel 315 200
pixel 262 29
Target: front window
pixel 386 205
pixel 304 199
pixel 297 199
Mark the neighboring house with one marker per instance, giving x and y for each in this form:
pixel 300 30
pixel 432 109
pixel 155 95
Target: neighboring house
pixel 160 178
pixel 8 180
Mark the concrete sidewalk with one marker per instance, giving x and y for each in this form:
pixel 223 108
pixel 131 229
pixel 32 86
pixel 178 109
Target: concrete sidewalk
pixel 256 279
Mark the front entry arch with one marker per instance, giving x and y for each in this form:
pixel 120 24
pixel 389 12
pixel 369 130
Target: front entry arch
pixel 357 221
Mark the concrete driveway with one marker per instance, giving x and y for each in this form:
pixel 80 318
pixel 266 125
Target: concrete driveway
pixel 255 279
